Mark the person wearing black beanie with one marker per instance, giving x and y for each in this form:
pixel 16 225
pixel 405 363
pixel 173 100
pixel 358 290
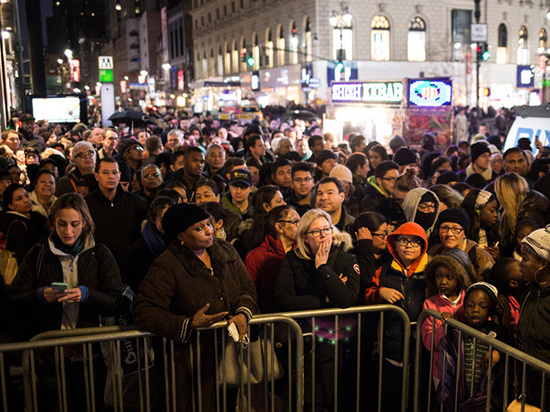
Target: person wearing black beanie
pixel 481 163
pixel 405 157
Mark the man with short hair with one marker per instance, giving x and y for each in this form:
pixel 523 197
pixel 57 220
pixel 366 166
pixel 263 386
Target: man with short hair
pixel 84 159
pixel 481 163
pixel 150 181
pixel 108 144
pixel 357 144
pixel 177 160
pixel 174 140
pixel 515 161
pixel 95 137
pixel 240 187
pixel 215 159
pixel 302 186
pixel 358 165
pixel 330 198
pixel 325 160
pixel 255 147
pixel 316 143
pixel 191 172
pixel 117 214
pixel 153 147
pixel 28 136
pixel 130 151
pixel 380 186
pixel 281 174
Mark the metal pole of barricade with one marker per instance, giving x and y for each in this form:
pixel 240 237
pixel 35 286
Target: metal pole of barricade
pixel 3 383
pixel 380 360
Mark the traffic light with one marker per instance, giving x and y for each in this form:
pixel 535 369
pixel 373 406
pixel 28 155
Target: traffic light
pixel 483 53
pixel 250 60
pixel 486 92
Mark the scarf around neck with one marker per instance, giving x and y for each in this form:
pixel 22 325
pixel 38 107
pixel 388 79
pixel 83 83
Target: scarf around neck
pixel 153 239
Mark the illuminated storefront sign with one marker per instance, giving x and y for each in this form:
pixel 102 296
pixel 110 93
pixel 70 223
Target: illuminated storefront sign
pixel 367 92
pixel 75 70
pixel 430 93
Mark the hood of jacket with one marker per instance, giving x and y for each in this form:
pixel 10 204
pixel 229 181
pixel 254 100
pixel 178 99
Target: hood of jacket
pixel 272 245
pixel 535 200
pixel 372 181
pixel 411 229
pixel 411 202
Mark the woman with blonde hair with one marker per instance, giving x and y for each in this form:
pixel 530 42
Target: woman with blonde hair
pixel 518 203
pixel 318 274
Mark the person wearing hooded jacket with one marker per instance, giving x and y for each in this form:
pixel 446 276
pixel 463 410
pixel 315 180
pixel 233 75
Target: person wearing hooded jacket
pixel 422 206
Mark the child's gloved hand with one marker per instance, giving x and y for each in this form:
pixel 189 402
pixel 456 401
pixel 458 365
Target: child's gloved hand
pixel 484 363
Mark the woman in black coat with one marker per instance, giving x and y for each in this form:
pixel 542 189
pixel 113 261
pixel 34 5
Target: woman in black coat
pixel 319 274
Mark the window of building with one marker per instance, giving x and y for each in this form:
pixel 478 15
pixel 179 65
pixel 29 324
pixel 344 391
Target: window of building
pixel 523 46
pixel 380 38
pixel 268 49
pixel 255 52
pixel 461 22
pixel 416 44
pixel 342 36
pixel 543 41
pixel 227 62
pixel 242 4
pixel 294 41
pixel 209 18
pixel 217 13
pixel 235 58
pixel 308 41
pixel 232 7
pixel 281 47
pixel 225 10
pixel 502 48
pixel 202 21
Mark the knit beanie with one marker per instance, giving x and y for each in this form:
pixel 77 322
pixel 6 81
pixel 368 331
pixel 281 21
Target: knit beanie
pixel 342 172
pixel 477 149
pixel 179 218
pixel 404 156
pixel 446 177
pixel 396 143
pixel 454 215
pixel 491 290
pixel 539 240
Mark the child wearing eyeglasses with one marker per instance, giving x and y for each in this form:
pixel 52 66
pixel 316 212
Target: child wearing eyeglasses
pixel 400 282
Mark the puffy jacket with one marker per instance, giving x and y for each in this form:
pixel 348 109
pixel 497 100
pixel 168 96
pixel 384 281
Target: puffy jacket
pixel 373 197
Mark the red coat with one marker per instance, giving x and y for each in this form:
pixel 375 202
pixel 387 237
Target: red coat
pixel 263 265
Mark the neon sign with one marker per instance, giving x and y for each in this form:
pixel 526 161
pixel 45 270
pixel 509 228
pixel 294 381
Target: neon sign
pixel 367 92
pixel 430 93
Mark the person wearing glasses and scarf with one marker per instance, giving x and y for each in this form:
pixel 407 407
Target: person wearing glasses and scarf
pixel 452 227
pixel 84 159
pixel 319 274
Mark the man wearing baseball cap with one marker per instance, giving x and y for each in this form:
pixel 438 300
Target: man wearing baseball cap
pixel 240 186
pixel 29 138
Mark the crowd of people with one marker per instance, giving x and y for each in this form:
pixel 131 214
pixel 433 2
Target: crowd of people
pixel 205 221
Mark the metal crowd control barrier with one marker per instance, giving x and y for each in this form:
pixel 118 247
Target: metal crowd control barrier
pixel 82 344
pixel 512 359
pixel 359 311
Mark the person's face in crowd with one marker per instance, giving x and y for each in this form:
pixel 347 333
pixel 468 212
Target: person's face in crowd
pixel 15 173
pixel 255 175
pixel 483 161
pixel 515 163
pixel 446 282
pixel 134 153
pixel 285 147
pixel 84 159
pixel 52 168
pixel 178 164
pixel 515 279
pixel 359 149
pixel 380 239
pixel 68 225
pixel 530 264
pixel 205 194
pixel 13 142
pixel 184 124
pixel 196 135
pixel 21 202
pixel 27 125
pixel 151 178
pixel 283 177
pixel 302 183
pixel 301 147
pixel 199 236
pixel 96 135
pixel 523 232
pixel 363 170
pixel 171 142
pixel 408 248
pixel 216 158
pixel 193 163
pixel 451 235
pixel 236 128
pixel 258 149
pixel 277 200
pixel 484 129
pixel 222 133
pixel 445 166
pixel 110 140
pixel 107 176
pixel 387 182
pixel 45 185
pixel 374 159
pixel 327 166
pixel 477 308
pixel 464 148
pixel 142 137
pixel 319 232
pixel 183 194
pixel 399 196
pixel 3 184
pixel 497 162
pixel 488 214
pixel 158 220
pixel 239 192
pixel 57 130
pixel 318 146
pixel 286 227
pixel 328 198
pixel 31 158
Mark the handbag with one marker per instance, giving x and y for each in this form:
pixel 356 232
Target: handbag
pixel 235 369
pixel 515 406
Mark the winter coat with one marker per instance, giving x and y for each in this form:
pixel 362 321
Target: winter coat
pixel 410 282
pixel 368 264
pixel 177 285
pixel 21 232
pixel 263 264
pixel 410 206
pixel 97 271
pixel 373 197
pixel 533 336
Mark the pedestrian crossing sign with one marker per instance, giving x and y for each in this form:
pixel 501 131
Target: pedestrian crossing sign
pixel 106 62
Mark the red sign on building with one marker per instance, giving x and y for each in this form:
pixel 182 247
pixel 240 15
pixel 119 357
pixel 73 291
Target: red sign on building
pixel 75 70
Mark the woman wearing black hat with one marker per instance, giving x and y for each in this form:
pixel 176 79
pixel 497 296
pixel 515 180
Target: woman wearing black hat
pixel 197 282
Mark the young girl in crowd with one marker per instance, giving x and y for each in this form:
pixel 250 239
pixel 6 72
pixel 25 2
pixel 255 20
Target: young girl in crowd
pixel 481 312
pixel 506 276
pixel 447 281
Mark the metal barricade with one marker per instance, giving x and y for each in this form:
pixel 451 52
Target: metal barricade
pixel 52 356
pixel 512 363
pixel 337 339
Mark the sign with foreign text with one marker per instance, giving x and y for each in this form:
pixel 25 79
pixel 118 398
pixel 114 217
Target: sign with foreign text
pixel 75 70
pixel 382 92
pixel 106 76
pixel 430 92
pixel 478 32
pixel 105 62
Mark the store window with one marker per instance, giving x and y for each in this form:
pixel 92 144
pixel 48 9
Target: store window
pixel 342 35
pixel 268 49
pixel 293 43
pixel 281 47
pixel 523 46
pixel 235 58
pixel 416 45
pixel 461 23
pixel 543 41
pixel 502 49
pixel 308 41
pixel 255 52
pixel 380 39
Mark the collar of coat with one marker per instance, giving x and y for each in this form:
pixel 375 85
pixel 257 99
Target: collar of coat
pixel 220 255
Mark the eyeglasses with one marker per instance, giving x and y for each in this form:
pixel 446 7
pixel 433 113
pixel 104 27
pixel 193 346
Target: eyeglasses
pixel 317 232
pixel 152 176
pixel 454 230
pixel 82 155
pixel 382 235
pixel 426 207
pixel 290 222
pixel 403 242
pixel 389 179
pixel 136 147
pixel 304 180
